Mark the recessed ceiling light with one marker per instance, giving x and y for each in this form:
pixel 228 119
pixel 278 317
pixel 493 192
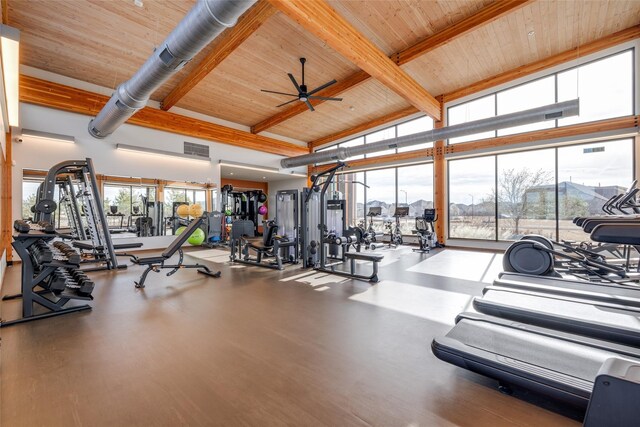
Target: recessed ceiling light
pixel 531 33
pixel 230 173
pixel 264 177
pixel 138 3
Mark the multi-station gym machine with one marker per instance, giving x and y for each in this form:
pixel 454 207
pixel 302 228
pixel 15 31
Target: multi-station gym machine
pixel 325 241
pixel 80 200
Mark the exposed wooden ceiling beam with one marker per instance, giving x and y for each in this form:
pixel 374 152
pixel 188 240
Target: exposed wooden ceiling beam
pixel 611 40
pixel 227 42
pixel 320 19
pixel 483 17
pixel 4 9
pixel 54 95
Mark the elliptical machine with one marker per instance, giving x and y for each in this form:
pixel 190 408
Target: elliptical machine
pixel 425 231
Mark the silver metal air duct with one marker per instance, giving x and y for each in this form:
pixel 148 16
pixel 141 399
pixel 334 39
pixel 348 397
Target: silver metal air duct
pixel 204 22
pixel 535 115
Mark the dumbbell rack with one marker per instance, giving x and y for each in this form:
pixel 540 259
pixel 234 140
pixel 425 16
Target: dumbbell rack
pixel 52 267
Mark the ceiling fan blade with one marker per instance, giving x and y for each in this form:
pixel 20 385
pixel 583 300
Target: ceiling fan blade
pixel 285 103
pixel 309 105
pixel 325 98
pixel 318 89
pixel 293 80
pixel 279 93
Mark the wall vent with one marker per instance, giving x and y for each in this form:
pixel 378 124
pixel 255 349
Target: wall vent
pixel 593 150
pixel 196 149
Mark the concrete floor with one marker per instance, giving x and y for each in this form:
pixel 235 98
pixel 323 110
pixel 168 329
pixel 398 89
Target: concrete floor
pixel 260 347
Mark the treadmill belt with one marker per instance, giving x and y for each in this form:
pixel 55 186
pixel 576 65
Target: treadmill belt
pixel 606 321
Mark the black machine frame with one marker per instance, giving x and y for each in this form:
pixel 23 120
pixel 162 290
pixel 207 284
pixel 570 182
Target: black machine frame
pixel 322 264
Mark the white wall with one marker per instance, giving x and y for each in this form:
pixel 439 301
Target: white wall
pixel 285 184
pixel 33 154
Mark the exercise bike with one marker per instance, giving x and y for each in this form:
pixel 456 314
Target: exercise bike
pixel 425 231
pixel 369 236
pixel 395 233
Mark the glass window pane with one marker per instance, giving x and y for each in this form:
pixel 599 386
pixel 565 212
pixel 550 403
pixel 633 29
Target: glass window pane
pixel 415 189
pixel 29 191
pixel 173 195
pixel 421 124
pixel 352 189
pixel 382 193
pixel 589 175
pixel 526 194
pixel 353 143
pixel 118 196
pixel 472 209
pixel 200 196
pixel 524 97
pixel 480 108
pixel 381 135
pixel 605 88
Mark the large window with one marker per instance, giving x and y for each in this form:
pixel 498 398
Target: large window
pixel 588 176
pixel 537 93
pixel 472 206
pixel 526 194
pixel 605 88
pixel 415 190
pixel 536 192
pixel 29 191
pixel 410 127
pixel 477 109
pixel 353 143
pixel 381 135
pixel 382 193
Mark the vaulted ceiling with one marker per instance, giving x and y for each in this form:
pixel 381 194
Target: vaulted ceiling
pixel 105 41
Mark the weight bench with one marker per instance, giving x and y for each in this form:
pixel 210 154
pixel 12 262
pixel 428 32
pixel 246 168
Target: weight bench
pixel 156 263
pixel 375 258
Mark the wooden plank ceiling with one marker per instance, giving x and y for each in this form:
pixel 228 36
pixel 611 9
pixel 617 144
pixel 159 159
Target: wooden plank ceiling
pixel 105 41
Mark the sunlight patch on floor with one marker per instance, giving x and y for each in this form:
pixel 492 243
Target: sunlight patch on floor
pixel 433 304
pixel 465 265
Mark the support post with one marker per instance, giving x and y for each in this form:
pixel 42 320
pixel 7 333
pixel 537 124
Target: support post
pixel 7 199
pixel 440 179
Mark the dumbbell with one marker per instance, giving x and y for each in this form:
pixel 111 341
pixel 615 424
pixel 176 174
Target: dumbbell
pixel 21 226
pixel 81 283
pixel 47 227
pixel 71 255
pixel 57 283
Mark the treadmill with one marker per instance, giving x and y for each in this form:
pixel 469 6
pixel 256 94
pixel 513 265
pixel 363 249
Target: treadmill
pixel 628 295
pixel 556 363
pixel 606 321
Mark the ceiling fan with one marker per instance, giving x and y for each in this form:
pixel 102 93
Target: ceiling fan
pixel 303 95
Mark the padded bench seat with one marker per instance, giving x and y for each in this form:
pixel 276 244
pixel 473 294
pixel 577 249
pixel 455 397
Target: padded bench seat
pixel 364 257
pixel 89 247
pixel 374 258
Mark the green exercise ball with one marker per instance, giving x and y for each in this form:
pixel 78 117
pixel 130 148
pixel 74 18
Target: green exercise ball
pixel 180 230
pixel 197 237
